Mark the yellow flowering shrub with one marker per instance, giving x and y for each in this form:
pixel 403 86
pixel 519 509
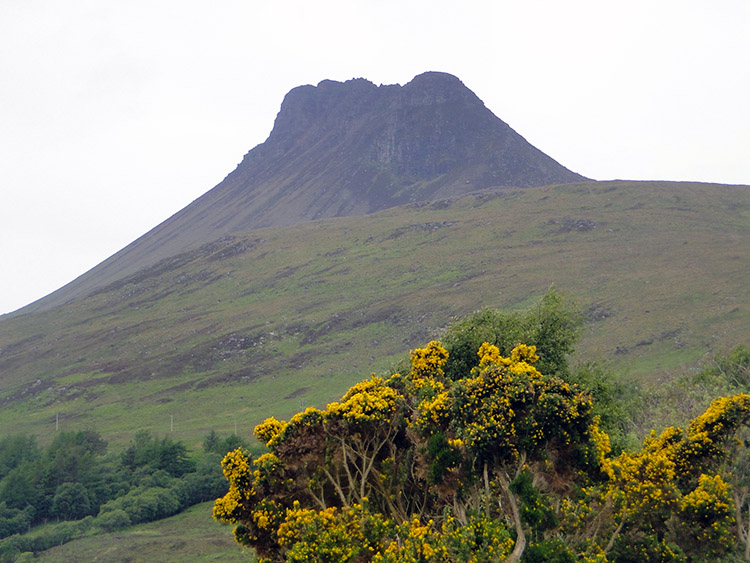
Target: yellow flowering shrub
pixel 489 355
pixel 331 534
pixel 268 471
pixel 524 353
pixel 481 540
pixel 507 409
pixel 643 485
pixel 369 401
pixel 659 502
pixel 429 360
pixel 602 446
pixel 434 412
pixel 709 435
pixel 483 466
pixel 236 468
pixel 414 543
pixel 706 517
pixel 269 430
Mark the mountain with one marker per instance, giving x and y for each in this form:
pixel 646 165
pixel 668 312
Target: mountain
pixel 341 149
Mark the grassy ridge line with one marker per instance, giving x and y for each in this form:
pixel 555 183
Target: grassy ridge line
pixel 276 319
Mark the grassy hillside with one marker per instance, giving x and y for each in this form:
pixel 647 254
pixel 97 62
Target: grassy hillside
pixel 191 537
pixel 276 319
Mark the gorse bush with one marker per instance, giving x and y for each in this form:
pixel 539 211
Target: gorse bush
pixel 502 463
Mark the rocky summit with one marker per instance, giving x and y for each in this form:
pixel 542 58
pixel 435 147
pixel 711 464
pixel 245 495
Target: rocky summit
pixel 353 148
pixel 346 148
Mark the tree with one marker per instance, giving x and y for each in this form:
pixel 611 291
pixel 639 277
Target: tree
pixel 13 520
pixel 153 454
pixel 113 520
pixel 15 450
pixel 71 502
pixel 212 442
pixel 553 326
pixel 70 458
pixel 19 491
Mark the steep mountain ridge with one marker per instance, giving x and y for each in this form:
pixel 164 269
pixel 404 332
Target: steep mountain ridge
pixel 340 149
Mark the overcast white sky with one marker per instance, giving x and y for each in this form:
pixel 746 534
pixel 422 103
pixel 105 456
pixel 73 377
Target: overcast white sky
pixel 116 114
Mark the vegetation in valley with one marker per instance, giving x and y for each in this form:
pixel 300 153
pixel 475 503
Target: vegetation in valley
pixel 75 488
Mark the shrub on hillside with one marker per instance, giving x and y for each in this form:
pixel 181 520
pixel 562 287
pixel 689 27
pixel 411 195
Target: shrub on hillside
pixel 409 467
pixel 113 520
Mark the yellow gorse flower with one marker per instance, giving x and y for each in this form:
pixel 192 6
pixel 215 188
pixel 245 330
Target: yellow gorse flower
pixel 369 401
pixel 429 360
pixel 268 430
pixel 489 355
pixel 236 468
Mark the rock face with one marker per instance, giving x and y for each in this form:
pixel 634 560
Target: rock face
pixel 353 148
pixel 345 149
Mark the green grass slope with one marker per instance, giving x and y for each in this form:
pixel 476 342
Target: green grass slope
pixel 189 537
pixel 276 319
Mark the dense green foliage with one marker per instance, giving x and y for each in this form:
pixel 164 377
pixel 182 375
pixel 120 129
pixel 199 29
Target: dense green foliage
pixel 553 326
pixel 75 482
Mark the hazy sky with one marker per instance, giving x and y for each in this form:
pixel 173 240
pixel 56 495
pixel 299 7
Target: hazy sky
pixel 116 114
